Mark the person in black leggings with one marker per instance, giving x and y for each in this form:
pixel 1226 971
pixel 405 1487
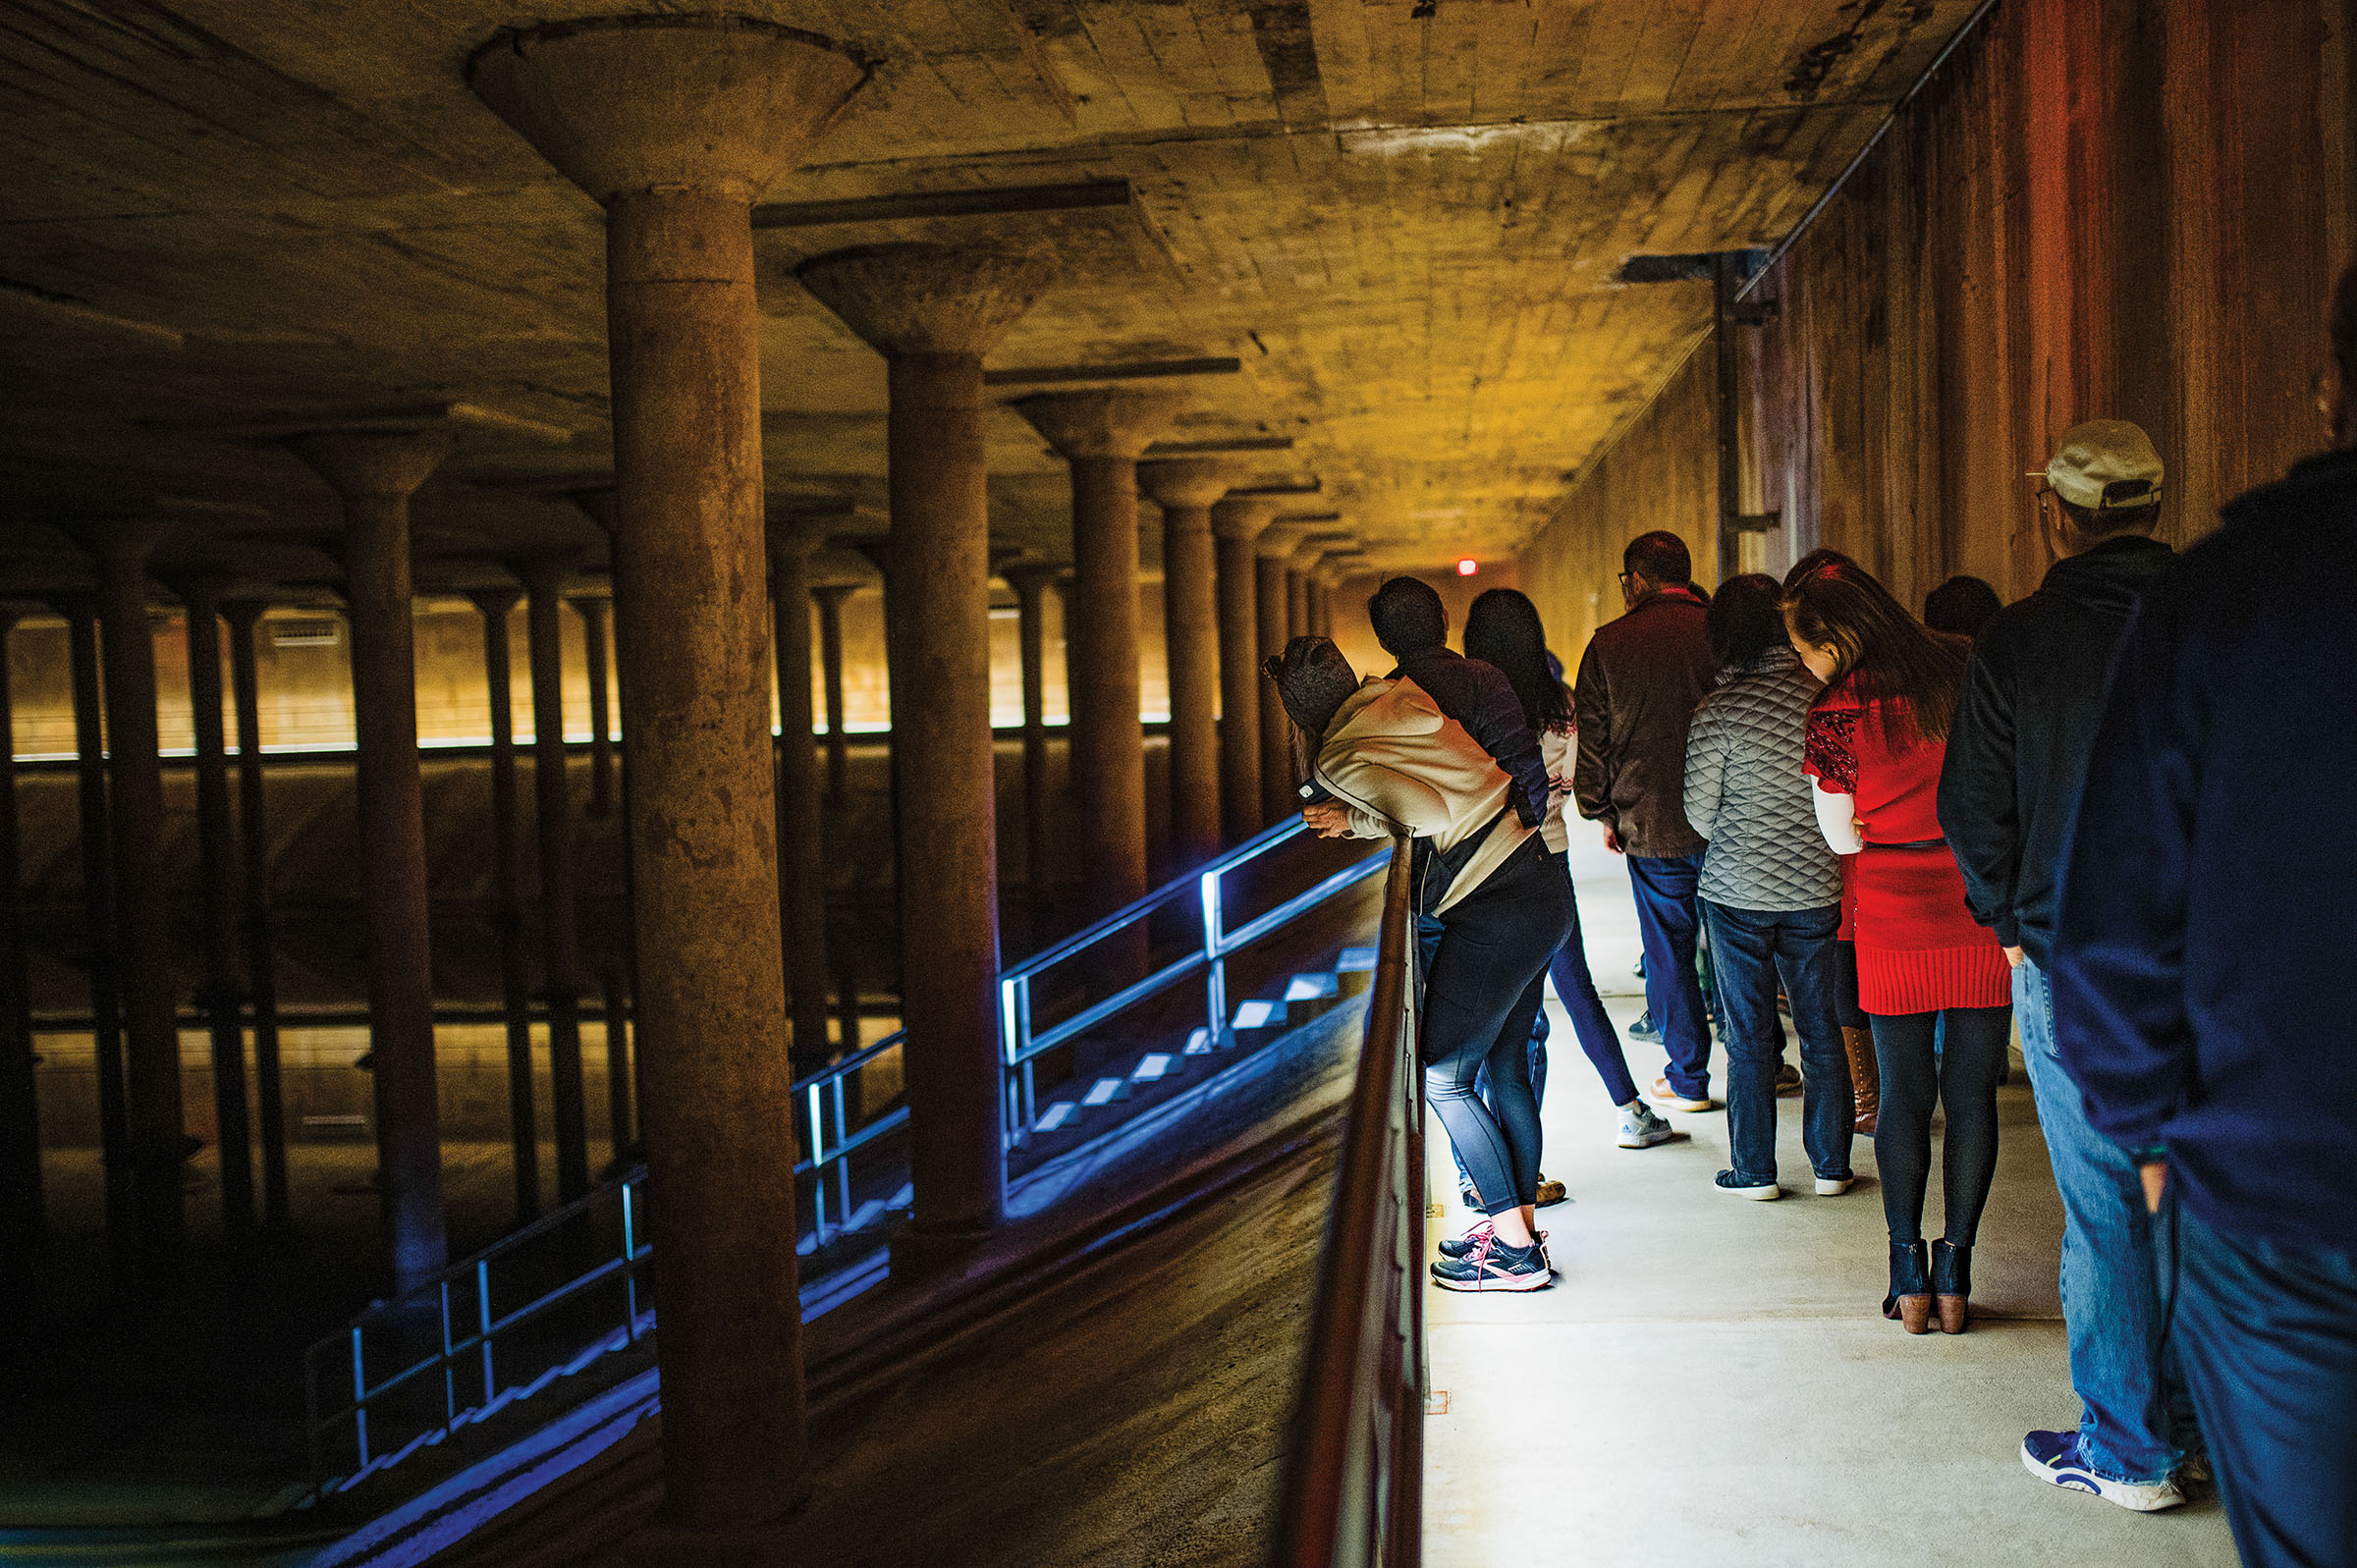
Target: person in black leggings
pixel 1962 1081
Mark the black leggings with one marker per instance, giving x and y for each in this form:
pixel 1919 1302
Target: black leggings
pixel 1484 988
pixel 1962 1078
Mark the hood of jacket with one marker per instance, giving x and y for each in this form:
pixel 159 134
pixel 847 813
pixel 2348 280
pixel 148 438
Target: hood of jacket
pixel 2110 578
pixel 1392 753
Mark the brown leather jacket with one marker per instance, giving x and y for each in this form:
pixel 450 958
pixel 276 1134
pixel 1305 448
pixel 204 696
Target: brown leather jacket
pixel 1640 683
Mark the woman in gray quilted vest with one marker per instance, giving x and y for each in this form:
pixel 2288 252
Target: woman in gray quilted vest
pixel 1771 891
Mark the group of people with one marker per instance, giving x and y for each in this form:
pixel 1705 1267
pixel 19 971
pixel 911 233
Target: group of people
pixel 2120 815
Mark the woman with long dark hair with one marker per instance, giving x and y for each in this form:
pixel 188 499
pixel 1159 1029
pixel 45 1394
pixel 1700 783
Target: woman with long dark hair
pixel 1503 629
pixel 1934 982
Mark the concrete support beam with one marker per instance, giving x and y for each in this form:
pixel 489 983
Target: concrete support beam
pixel 200 594
pixel 498 605
pixel 544 579
pixel 676 125
pixel 595 610
pixel 933 313
pixel 1236 524
pixel 81 611
pixel 244 616
pixel 830 598
pixel 22 1224
pixel 157 1145
pixel 374 472
pixel 1100 435
pixel 1276 612
pixel 1185 489
pixel 1030 583
pixel 801 824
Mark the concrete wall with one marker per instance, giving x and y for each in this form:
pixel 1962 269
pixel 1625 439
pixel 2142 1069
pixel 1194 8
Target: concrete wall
pixel 2097 208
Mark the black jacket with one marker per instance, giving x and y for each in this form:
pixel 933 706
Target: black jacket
pixel 2017 753
pixel 2209 905
pixel 1479 697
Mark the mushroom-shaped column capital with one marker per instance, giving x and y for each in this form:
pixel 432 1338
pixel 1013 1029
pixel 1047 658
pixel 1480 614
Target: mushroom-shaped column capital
pixel 546 571
pixel 1245 518
pixel 1280 539
pixel 800 533
pixel 1100 424
pixel 1188 484
pixel 1315 547
pixel 913 296
pixel 719 103
pixel 358 463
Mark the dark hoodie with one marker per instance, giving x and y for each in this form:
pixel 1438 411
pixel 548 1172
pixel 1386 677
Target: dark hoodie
pixel 2017 753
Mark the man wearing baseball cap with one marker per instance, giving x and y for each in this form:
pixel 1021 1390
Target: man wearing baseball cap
pixel 2201 976
pixel 2016 758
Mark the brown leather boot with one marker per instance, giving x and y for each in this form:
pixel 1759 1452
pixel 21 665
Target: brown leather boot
pixel 1864 1080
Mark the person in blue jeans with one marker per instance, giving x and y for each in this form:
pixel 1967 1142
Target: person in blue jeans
pixel 2201 975
pixel 1771 891
pixel 1639 682
pixel 2017 757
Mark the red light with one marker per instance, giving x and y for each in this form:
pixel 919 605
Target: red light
pixel 1467 566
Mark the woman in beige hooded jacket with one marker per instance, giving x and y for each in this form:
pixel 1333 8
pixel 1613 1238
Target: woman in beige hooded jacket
pixel 1388 762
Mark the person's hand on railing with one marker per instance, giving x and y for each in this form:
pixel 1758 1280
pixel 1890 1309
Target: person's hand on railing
pixel 1327 820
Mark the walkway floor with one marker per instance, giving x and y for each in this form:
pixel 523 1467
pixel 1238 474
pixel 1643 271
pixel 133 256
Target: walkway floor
pixel 1709 1381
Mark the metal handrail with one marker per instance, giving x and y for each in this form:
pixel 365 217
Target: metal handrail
pixel 823 1099
pixel 1354 1488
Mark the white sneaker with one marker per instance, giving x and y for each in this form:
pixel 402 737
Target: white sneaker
pixel 1677 1102
pixel 1834 1187
pixel 1640 1128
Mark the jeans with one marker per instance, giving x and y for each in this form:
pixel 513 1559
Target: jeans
pixel 1576 989
pixel 1751 949
pixel 2268 1335
pixel 1959 1077
pixel 1538 1086
pixel 1484 988
pixel 1670 917
pixel 2137 1424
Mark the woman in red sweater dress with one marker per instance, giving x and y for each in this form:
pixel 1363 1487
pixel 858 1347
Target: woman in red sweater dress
pixel 1928 974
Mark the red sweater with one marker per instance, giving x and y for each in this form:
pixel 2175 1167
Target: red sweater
pixel 1919 948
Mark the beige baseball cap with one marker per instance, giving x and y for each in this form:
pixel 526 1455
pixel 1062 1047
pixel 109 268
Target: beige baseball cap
pixel 2106 465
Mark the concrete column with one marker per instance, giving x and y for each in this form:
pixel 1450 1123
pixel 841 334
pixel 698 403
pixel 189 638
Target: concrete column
pixel 933 313
pixel 561 982
pixel 262 967
pixel 1296 599
pixel 158 1146
pixel 592 609
pixel 216 841
pixel 1276 550
pixel 830 598
pixel 1100 434
pixel 1030 583
pixel 98 921
pixel 801 852
pixel 1236 524
pixel 1185 489
pixel 374 472
pixel 676 124
pixel 497 606
pixel 21 1225
pixel 1301 614
pixel 1320 604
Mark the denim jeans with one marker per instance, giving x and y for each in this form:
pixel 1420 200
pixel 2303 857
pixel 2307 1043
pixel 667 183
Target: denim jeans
pixel 1484 987
pixel 1538 1087
pixel 2137 1424
pixel 1751 949
pixel 1669 918
pixel 2268 1335
pixel 1576 987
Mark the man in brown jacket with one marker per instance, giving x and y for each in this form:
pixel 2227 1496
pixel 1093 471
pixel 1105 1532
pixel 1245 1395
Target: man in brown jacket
pixel 1640 683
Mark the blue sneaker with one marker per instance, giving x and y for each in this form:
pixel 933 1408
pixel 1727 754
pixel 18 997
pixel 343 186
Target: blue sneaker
pixel 1644 1029
pixel 2053 1458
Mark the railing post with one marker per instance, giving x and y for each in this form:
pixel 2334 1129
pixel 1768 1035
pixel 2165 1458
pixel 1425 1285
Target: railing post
pixel 359 1398
pixel 818 1169
pixel 1215 966
pixel 843 1164
pixel 629 1269
pixel 482 1308
pixel 450 1386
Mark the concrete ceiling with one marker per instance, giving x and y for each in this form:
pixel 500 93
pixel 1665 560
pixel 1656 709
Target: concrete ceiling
pixel 1402 218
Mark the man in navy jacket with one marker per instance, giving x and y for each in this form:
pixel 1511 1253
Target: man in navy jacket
pixel 2201 959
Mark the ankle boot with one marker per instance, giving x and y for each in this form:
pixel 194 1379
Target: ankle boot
pixel 1911 1298
pixel 1865 1080
pixel 1951 1283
